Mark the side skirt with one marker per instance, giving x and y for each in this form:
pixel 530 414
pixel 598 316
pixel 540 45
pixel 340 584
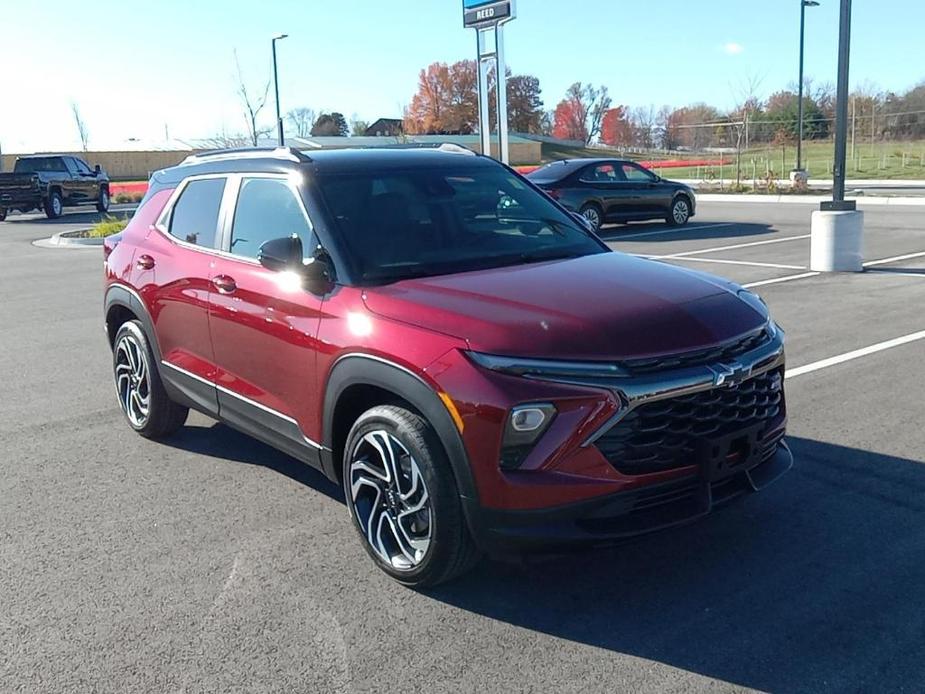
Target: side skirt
pixel 247 416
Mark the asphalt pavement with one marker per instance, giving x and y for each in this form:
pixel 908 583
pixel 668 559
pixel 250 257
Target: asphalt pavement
pixel 210 562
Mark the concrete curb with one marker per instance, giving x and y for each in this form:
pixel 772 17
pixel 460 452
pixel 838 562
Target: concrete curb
pixel 62 240
pixel 808 199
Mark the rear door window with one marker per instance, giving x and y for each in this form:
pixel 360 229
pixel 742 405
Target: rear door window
pixel 601 173
pixel 267 209
pixel 195 215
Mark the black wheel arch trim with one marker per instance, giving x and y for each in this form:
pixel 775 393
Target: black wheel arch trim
pixel 364 369
pixel 121 295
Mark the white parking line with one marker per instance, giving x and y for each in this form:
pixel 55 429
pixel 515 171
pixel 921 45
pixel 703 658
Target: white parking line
pixel 723 261
pixel 787 278
pixel 673 230
pixel 895 258
pixel 848 356
pixel 734 247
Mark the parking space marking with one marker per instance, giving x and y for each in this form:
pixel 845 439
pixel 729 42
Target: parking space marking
pixel 848 356
pixel 736 246
pixel 775 280
pixel 673 230
pixel 895 258
pixel 723 261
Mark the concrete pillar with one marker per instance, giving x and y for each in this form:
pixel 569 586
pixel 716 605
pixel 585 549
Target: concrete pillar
pixel 837 242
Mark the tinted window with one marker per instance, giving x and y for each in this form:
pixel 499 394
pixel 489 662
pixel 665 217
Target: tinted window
pixel 637 174
pixel 39 164
pixel 81 166
pixel 601 173
pixel 267 209
pixel 422 222
pixel 70 164
pixel 195 215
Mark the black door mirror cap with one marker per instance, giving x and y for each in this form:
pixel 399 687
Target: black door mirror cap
pixel 281 254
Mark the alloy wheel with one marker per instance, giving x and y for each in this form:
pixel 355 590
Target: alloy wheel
pixel 132 381
pixel 390 501
pixel 104 200
pixel 56 207
pixel 680 212
pixel 592 215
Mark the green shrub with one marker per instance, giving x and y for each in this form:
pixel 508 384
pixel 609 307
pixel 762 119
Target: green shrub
pixel 107 227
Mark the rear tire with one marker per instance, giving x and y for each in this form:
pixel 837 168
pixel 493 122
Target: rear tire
pixel 593 214
pixel 403 499
pixel 102 205
pixel 680 212
pixel 144 402
pixel 54 205
pixel 2 215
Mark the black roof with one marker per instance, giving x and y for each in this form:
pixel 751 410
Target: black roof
pixel 564 167
pixel 44 155
pixel 254 160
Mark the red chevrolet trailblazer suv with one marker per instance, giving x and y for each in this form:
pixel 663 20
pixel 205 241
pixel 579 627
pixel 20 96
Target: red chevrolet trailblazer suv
pixel 425 326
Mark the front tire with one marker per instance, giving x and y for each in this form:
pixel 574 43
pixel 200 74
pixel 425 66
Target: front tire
pixel 144 402
pixel 680 212
pixel 102 205
pixel 403 498
pixel 54 205
pixel 2 215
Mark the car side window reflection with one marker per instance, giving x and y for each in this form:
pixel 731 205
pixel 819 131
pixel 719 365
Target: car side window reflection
pixel 195 215
pixel 267 209
pixel 636 174
pixel 601 173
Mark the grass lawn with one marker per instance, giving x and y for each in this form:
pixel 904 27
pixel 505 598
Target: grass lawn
pixel 882 160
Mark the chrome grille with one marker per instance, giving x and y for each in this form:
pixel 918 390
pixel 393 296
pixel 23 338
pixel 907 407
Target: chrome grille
pixel 711 355
pixel 666 434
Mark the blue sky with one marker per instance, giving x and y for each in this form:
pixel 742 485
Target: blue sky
pixel 135 66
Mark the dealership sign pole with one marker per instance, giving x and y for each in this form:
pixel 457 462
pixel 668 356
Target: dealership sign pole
pixel 488 18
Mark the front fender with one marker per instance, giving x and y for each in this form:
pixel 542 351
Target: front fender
pixel 364 369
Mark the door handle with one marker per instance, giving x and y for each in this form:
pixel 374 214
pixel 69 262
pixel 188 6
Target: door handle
pixel 145 262
pixel 224 284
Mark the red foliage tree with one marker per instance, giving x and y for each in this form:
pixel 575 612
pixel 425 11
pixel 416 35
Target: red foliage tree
pixel 569 121
pixel 616 129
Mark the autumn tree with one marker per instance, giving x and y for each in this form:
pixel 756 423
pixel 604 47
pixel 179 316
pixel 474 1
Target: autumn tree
pixel 580 114
pixel 524 105
pixel 616 129
pixel 447 101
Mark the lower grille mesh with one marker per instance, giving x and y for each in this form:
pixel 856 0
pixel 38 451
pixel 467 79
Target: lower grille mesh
pixel 664 435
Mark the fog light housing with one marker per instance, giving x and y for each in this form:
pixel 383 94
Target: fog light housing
pixel 524 427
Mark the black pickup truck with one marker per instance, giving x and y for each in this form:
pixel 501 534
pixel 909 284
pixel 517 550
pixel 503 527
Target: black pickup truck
pixel 52 182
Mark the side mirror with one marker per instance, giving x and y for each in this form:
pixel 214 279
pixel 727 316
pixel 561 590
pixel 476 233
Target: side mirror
pixel 98 169
pixel 583 221
pixel 281 254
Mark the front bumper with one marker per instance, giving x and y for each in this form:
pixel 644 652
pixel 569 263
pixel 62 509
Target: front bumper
pixel 615 517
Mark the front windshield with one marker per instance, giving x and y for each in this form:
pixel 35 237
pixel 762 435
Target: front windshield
pixel 420 222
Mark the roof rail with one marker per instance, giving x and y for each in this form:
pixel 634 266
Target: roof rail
pixel 288 153
pixel 451 147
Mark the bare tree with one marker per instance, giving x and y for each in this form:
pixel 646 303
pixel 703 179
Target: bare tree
pixel 643 119
pixel 81 126
pixel 253 104
pixel 302 119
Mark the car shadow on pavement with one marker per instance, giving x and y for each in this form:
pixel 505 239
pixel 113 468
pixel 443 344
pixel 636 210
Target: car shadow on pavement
pixel 660 232
pixel 221 441
pixel 818 583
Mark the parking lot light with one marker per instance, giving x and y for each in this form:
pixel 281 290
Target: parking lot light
pixel 279 118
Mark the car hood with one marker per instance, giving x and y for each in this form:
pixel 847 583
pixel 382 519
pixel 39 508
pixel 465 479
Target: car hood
pixel 598 307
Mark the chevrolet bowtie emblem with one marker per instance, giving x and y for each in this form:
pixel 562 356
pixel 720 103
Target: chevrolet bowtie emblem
pixel 729 374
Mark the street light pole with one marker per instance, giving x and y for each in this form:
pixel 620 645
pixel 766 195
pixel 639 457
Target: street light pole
pixel 279 117
pixel 803 5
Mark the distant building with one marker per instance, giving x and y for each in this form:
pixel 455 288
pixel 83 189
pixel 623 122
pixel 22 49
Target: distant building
pixel 385 127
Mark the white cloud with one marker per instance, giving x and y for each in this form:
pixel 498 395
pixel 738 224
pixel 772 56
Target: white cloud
pixel 733 48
